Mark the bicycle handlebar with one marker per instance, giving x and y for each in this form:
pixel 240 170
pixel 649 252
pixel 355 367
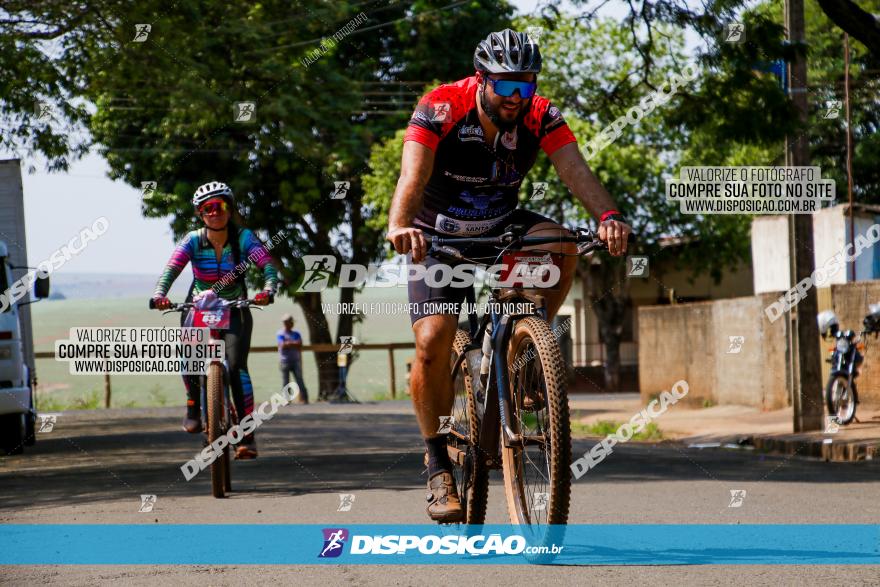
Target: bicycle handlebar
pixel 589 240
pixel 229 303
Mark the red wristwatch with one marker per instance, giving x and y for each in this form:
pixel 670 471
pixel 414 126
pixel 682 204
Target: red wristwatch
pixel 608 214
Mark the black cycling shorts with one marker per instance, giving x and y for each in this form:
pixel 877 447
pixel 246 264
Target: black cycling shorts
pixel 425 300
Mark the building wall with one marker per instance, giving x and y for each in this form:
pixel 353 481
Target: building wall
pixel 735 282
pixel 770 256
pixel 692 342
pixel 829 236
pixel 663 278
pixel 867 262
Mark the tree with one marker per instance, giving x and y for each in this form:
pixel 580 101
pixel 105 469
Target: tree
pixel 732 115
pixel 859 23
pixel 163 107
pixel 589 74
pixel 826 21
pixel 706 19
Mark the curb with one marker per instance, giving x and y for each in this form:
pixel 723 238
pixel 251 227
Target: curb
pixel 820 448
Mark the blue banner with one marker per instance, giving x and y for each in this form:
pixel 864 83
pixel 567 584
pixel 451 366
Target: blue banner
pixel 271 544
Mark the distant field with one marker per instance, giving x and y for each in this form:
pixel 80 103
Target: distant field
pixel 368 376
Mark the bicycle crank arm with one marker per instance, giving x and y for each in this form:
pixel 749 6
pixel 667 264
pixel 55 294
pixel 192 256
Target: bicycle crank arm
pixel 456 455
pixel 519 441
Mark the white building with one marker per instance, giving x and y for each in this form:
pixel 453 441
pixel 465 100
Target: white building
pixel 770 246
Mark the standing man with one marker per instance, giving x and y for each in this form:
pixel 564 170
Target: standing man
pixel 468 147
pixel 290 355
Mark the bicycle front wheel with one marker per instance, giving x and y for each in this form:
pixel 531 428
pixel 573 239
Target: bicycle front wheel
pixel 537 474
pixel 216 428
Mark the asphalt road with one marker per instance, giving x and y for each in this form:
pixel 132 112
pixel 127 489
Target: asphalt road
pixel 94 466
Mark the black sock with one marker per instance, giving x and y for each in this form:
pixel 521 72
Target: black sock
pixel 193 410
pixel 438 456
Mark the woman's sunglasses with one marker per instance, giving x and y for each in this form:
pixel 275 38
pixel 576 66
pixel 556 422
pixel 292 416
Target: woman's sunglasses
pixel 506 87
pixel 212 208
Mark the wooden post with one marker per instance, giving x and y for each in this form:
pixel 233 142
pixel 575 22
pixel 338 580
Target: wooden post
pixel 392 381
pixel 803 358
pixel 578 336
pixel 106 390
pixel 849 144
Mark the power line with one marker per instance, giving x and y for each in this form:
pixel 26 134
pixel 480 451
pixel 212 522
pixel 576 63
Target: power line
pixel 360 30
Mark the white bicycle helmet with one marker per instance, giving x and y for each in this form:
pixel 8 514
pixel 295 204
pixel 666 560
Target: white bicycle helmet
pixel 212 189
pixel 828 323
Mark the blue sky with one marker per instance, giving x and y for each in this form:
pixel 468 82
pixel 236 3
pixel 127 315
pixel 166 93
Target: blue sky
pixel 58 205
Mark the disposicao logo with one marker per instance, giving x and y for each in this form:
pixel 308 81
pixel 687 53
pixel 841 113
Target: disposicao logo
pixel 334 540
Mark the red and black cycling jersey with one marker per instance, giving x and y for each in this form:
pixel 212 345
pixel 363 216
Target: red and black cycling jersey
pixel 474 185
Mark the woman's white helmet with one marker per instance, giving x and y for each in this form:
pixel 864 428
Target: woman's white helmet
pixel 212 189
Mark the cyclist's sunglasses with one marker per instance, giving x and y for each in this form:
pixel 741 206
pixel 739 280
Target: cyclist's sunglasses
pixel 506 87
pixel 215 207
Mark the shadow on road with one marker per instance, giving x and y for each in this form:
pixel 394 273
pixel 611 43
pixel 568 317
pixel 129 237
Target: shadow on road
pixel 94 457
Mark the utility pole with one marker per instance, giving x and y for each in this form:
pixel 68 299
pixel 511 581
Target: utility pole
pixel 806 386
pixel 849 145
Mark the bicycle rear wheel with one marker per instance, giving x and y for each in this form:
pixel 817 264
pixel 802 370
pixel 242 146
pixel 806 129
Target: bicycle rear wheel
pixel 216 427
pixel 227 470
pixel 537 474
pixel 469 464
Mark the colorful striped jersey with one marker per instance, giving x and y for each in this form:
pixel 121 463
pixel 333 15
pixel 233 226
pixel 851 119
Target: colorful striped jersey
pixel 195 248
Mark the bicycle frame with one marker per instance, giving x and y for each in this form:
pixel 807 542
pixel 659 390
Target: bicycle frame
pixel 215 335
pixel 497 404
pixel 496 416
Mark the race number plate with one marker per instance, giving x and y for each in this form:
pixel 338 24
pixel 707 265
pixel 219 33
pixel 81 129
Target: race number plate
pixel 216 318
pixel 527 269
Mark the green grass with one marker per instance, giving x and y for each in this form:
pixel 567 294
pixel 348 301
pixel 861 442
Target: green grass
pixel 156 396
pixel 59 390
pixel 89 401
pixel 605 427
pixel 384 396
pixel 48 403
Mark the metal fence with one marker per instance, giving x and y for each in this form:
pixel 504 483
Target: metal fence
pixel 390 347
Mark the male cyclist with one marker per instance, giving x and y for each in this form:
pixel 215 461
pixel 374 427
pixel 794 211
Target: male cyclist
pixel 467 148
pixel 216 252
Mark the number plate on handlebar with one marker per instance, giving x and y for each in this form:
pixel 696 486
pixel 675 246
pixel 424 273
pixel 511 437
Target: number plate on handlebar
pixel 218 318
pixel 528 269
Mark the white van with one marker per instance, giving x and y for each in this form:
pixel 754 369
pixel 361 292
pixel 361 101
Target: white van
pixel 17 411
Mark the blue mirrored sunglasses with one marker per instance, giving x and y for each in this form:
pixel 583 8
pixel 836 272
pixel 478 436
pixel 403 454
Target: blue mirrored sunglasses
pixel 506 87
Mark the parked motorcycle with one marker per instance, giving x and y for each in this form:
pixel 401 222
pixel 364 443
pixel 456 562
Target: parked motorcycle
pixel 841 393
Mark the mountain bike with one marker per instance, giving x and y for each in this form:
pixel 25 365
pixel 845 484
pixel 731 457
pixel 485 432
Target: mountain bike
pixel 511 406
pixel 218 410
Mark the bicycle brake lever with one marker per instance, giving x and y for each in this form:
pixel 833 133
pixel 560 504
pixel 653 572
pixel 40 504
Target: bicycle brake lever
pixel 449 252
pixel 584 248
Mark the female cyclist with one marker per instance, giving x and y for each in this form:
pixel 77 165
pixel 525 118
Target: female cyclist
pixel 216 251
